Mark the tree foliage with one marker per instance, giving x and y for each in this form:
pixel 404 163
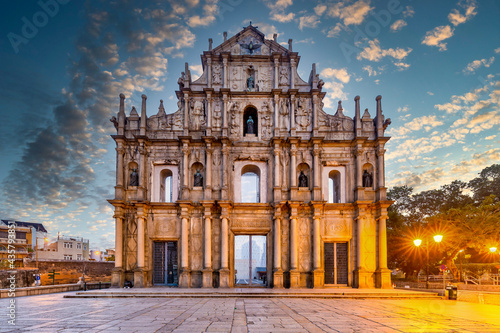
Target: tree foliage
pixel 466 220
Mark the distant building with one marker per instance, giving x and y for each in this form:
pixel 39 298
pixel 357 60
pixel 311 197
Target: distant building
pixel 24 243
pixel 66 248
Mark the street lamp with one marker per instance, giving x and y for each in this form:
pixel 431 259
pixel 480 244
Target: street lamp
pixel 493 249
pixel 418 242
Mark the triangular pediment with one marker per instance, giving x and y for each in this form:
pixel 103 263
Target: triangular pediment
pixel 249 41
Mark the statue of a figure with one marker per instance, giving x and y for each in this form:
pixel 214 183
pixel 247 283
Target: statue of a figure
pixel 134 178
pixel 367 179
pixel 198 178
pixel 303 180
pixel 250 129
pixel 250 83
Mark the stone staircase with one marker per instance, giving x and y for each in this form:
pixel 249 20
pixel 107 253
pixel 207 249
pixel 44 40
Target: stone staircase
pixel 334 293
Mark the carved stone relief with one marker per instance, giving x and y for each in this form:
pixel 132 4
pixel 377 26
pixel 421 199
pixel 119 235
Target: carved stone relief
pixel 197 115
pixel 235 119
pixel 217 74
pixel 302 114
pixel 196 244
pixel 216 161
pixel 217 115
pixel 235 78
pixel 283 80
pixel 304 244
pixel 285 114
pixel 265 79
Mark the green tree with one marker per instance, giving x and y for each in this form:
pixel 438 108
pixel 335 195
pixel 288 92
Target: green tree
pixel 470 226
pixel 486 184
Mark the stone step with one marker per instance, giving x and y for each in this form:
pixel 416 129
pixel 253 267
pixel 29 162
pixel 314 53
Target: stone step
pixel 349 295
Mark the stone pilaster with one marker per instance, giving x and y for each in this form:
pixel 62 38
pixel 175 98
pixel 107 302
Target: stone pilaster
pixel 383 274
pixel 294 248
pixel 224 253
pixel 117 277
pixel 139 271
pixel 184 278
pixel 277 271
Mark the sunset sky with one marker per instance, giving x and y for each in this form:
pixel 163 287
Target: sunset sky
pixel 64 64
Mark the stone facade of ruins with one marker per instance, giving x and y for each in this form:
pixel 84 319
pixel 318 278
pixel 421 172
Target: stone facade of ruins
pixel 319 195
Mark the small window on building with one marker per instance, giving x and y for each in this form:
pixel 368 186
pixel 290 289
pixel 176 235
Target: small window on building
pixel 84 246
pixel 334 187
pixel 20 235
pixel 78 245
pixel 68 257
pixel 250 184
pixel 4 234
pixel 79 257
pixel 166 186
pixel 68 245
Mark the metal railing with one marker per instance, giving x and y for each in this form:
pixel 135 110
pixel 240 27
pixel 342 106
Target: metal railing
pixel 485 279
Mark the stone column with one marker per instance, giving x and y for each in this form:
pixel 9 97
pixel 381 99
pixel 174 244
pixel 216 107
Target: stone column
pixel 276 115
pixel 225 161
pixel 224 61
pixel 294 254
pixel 140 242
pixel 224 254
pixel 185 170
pixel 186 112
pixel 209 72
pixel 117 273
pixel 209 111
pixel 315 111
pixel 276 167
pixel 276 71
pixel 381 190
pixel 184 276
pixel 318 272
pixel 362 278
pixel 208 181
pixel 141 195
pixel 207 272
pixel 277 271
pixel 224 111
pixel 292 112
pixel 292 73
pixel 317 173
pixel 383 274
pixel 293 167
pixel 119 188
pixel 139 271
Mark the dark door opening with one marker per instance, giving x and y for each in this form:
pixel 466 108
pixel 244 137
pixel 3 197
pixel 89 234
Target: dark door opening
pixel 165 263
pixel 336 270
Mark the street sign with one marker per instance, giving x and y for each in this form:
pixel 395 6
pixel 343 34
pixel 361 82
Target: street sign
pixel 443 267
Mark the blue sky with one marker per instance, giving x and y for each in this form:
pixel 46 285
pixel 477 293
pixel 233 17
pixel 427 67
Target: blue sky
pixel 436 65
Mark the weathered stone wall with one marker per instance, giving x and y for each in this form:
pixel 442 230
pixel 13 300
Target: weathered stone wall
pixel 24 278
pixel 70 271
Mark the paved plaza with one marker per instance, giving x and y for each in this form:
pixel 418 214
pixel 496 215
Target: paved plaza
pixel 53 313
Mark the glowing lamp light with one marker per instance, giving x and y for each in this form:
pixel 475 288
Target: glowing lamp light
pixel 96 252
pixel 493 249
pixel 417 242
pixel 438 238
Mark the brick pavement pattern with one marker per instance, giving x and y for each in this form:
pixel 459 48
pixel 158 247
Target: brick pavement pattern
pixel 53 313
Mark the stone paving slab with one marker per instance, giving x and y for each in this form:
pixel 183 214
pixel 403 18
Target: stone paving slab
pixel 54 313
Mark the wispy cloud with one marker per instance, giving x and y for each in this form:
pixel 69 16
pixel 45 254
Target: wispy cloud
pixel 308 21
pixel 436 36
pixel 471 67
pixel 278 10
pixel 398 25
